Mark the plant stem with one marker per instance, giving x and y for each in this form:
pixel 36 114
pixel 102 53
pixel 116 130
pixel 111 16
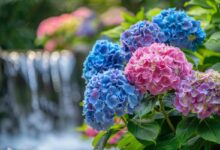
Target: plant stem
pixel 103 141
pixel 124 120
pixel 166 115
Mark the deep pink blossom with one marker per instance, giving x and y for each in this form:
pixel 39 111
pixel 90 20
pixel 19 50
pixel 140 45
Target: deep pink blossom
pixel 157 68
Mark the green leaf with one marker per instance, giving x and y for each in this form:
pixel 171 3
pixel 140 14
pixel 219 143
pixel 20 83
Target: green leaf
pixel 195 143
pixel 146 132
pixel 201 14
pixel 209 130
pixel 129 142
pixel 167 144
pixel 114 33
pixel 146 106
pixel 140 15
pixel 102 140
pixel 153 12
pixel 216 67
pixel 81 128
pixel 126 25
pixel 194 57
pixel 210 58
pixel 128 17
pixel 185 129
pixel 208 4
pixel 216 18
pixel 98 137
pixel 213 43
pixel 217 1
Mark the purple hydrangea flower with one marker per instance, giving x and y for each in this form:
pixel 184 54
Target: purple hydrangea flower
pixel 181 30
pixel 199 94
pixel 104 55
pixel 108 94
pixel 141 34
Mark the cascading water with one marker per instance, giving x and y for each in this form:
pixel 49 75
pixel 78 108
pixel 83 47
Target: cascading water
pixel 40 107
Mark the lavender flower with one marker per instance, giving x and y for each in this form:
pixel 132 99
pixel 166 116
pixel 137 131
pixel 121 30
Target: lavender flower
pixel 199 94
pixel 141 34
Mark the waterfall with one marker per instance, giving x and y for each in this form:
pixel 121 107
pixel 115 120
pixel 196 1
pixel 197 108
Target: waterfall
pixel 42 97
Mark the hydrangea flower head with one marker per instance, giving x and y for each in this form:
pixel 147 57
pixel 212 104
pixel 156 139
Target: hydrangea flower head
pixel 141 34
pixel 181 30
pixel 50 25
pixel 157 68
pixel 199 94
pixel 108 94
pixel 104 55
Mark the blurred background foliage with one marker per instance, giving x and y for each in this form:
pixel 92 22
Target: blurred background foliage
pixel 19 19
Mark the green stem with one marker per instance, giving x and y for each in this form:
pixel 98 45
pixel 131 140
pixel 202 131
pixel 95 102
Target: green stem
pixel 166 115
pixel 103 141
pixel 124 119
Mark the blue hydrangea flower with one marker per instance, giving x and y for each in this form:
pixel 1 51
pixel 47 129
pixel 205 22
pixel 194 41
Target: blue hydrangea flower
pixel 181 30
pixel 104 55
pixel 108 94
pixel 141 34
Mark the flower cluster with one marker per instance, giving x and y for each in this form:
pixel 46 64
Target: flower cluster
pixel 140 34
pixel 199 94
pixel 50 25
pixel 148 60
pixel 157 68
pixel 107 94
pixel 104 55
pixel 59 32
pixel 181 30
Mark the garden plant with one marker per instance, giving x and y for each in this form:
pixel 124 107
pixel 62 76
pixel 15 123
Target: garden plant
pixel 154 83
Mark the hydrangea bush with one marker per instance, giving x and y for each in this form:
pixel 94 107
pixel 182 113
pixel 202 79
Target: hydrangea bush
pixel 161 81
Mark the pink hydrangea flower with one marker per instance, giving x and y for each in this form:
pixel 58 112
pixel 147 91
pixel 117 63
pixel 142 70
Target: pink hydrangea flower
pixel 157 68
pixel 52 24
pixel 199 94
